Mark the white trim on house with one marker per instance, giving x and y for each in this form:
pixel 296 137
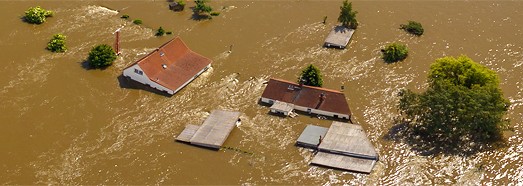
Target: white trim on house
pixel 137 74
pixel 309 110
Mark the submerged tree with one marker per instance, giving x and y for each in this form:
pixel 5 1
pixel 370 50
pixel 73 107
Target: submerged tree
pixel 395 52
pixel 202 8
pixel 57 43
pixel 37 15
pixel 413 27
pixel 463 104
pixel 101 56
pixel 311 76
pixel 348 17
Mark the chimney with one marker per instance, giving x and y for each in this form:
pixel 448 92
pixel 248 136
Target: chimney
pixel 322 99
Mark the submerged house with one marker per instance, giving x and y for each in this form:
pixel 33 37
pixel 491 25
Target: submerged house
pixel 285 96
pixel 169 68
pixel 339 37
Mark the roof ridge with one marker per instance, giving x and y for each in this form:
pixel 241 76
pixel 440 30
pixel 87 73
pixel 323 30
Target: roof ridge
pixel 311 87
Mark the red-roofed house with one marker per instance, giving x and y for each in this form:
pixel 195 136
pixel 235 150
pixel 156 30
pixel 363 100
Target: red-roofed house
pixel 168 68
pixel 286 95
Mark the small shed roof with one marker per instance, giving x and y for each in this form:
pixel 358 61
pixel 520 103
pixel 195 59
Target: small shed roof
pixel 310 137
pixel 282 106
pixel 339 37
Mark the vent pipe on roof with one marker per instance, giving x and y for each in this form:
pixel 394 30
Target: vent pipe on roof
pixel 164 66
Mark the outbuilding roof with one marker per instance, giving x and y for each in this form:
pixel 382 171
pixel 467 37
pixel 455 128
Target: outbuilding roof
pixel 307 96
pixel 172 64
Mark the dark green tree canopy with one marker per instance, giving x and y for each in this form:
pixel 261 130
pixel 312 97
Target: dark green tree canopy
pixel 395 52
pixel 57 43
pixel 202 7
pixel 463 104
pixel 311 76
pixel 37 15
pixel 413 27
pixel 101 56
pixel 347 16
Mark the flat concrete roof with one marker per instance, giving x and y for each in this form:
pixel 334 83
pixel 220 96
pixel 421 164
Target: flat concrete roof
pixel 215 129
pixel 348 139
pixel 310 137
pixel 344 162
pixel 339 37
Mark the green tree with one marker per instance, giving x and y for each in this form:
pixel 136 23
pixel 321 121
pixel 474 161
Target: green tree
pixel 202 8
pixel 395 52
pixel 413 27
pixel 462 104
pixel 160 32
pixel 101 56
pixel 57 43
pixel 311 76
pixel 348 17
pixel 37 15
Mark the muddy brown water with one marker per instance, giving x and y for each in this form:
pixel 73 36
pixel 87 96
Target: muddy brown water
pixel 64 124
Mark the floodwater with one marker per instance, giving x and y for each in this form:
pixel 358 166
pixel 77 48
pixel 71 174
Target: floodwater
pixel 65 124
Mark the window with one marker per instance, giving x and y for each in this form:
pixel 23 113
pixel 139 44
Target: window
pixel 138 71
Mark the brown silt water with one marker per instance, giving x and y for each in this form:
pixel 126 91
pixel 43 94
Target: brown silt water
pixel 65 124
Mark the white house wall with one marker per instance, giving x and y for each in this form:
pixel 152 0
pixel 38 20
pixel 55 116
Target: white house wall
pixel 129 72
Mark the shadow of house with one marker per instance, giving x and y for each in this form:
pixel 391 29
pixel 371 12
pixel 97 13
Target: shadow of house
pixel 128 83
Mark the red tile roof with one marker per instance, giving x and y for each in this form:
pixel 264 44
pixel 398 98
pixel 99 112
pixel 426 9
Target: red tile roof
pixel 173 64
pixel 306 96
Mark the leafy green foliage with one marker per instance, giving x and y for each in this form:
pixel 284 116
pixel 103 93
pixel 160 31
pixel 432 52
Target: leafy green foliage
pixel 413 27
pixel 125 16
pixel 395 52
pixel 101 56
pixel 137 21
pixel 347 16
pixel 215 13
pixel 202 7
pixel 37 15
pixel 311 76
pixel 160 32
pixel 181 2
pixel 463 104
pixel 57 43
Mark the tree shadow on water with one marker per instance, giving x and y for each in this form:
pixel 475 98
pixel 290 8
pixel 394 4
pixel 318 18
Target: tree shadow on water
pixel 199 17
pixel 85 65
pixel 427 144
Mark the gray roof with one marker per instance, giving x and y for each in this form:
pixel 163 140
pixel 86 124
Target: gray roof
pixel 344 162
pixel 310 137
pixel 214 130
pixel 348 139
pixel 282 106
pixel 339 37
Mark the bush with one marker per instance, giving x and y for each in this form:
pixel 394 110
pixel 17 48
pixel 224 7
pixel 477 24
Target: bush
pixel 101 56
pixel 181 2
pixel 215 13
pixel 37 15
pixel 125 16
pixel 311 76
pixel 413 27
pixel 169 33
pixel 395 52
pixel 202 7
pixel 160 32
pixel 137 21
pixel 57 43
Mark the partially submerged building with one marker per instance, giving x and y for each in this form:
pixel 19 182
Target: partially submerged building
pixel 285 96
pixel 341 146
pixel 339 37
pixel 169 68
pixel 214 130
